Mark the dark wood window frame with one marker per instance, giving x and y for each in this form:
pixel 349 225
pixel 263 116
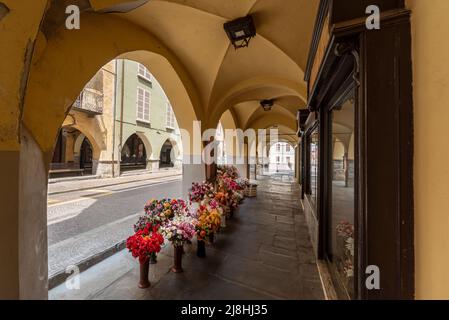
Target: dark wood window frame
pixel 384 120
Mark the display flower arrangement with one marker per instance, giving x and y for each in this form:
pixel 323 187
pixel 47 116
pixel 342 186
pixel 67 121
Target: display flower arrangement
pixel 162 211
pixel 200 191
pixel 229 187
pixel 209 222
pixel 143 245
pixel 243 184
pixel 237 198
pixel 230 171
pixel 210 215
pixel 229 183
pixel 222 198
pixel 345 232
pixel 179 231
pixel 345 229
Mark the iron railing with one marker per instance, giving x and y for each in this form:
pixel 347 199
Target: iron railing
pixel 90 101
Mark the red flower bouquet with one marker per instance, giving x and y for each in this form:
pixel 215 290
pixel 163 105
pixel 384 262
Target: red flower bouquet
pixel 145 243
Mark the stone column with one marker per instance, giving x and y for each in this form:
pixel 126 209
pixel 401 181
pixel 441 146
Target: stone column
pixel 23 227
pixel 193 170
pixel 153 165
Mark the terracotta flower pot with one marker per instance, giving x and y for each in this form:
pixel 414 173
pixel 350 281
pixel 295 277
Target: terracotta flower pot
pixel 153 258
pixel 201 249
pixel 177 268
pixel 144 271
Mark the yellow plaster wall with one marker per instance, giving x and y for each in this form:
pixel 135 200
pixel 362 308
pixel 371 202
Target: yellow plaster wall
pixel 430 31
pixel 18 29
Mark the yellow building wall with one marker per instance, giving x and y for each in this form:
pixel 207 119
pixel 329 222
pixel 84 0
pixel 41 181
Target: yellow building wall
pixel 430 34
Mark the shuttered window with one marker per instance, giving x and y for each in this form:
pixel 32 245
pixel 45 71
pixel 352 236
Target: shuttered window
pixel 170 117
pixel 144 73
pixel 143 105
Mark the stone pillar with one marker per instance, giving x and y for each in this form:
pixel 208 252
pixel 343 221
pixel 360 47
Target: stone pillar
pixel 23 227
pixel 107 169
pixel 298 164
pixel 242 162
pixel 9 226
pixel 69 148
pixel 153 165
pixel 178 163
pixel 193 170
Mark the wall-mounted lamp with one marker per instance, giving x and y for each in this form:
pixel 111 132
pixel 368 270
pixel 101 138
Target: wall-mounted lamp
pixel 240 31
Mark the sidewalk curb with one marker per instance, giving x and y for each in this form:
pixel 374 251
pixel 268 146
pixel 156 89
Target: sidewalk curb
pixel 61 276
pixel 112 184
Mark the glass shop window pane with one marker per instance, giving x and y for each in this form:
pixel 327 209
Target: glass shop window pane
pixel 343 195
pixel 314 164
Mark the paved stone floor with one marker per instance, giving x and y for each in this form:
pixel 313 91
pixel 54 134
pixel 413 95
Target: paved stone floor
pixel 264 253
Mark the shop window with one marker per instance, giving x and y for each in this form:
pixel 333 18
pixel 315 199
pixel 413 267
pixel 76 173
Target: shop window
pixel 342 201
pixel 313 169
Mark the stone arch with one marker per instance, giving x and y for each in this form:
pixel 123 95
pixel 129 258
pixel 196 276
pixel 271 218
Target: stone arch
pixel 77 145
pixel 131 158
pixel 175 155
pixel 257 89
pixel 99 31
pixel 97 144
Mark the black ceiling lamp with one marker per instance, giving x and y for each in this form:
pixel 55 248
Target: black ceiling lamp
pixel 267 104
pixel 240 31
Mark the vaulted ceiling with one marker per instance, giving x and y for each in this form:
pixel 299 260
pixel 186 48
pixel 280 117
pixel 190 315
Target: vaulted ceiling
pixel 272 67
pixel 184 45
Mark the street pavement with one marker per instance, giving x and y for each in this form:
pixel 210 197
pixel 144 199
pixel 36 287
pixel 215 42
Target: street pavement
pixel 84 223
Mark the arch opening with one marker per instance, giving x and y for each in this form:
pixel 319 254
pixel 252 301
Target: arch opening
pixel 167 156
pixel 73 154
pixel 281 159
pixel 133 154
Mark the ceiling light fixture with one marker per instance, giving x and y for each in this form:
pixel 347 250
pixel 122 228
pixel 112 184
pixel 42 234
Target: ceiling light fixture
pixel 240 31
pixel 267 104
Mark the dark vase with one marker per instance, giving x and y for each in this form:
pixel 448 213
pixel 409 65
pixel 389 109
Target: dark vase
pixel 232 212
pixel 212 238
pixel 144 270
pixel 201 249
pixel 177 268
pixel 153 258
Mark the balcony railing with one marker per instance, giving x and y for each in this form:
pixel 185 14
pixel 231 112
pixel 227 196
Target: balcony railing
pixel 90 101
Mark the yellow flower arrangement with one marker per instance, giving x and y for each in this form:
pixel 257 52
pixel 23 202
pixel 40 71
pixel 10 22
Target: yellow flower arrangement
pixel 209 217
